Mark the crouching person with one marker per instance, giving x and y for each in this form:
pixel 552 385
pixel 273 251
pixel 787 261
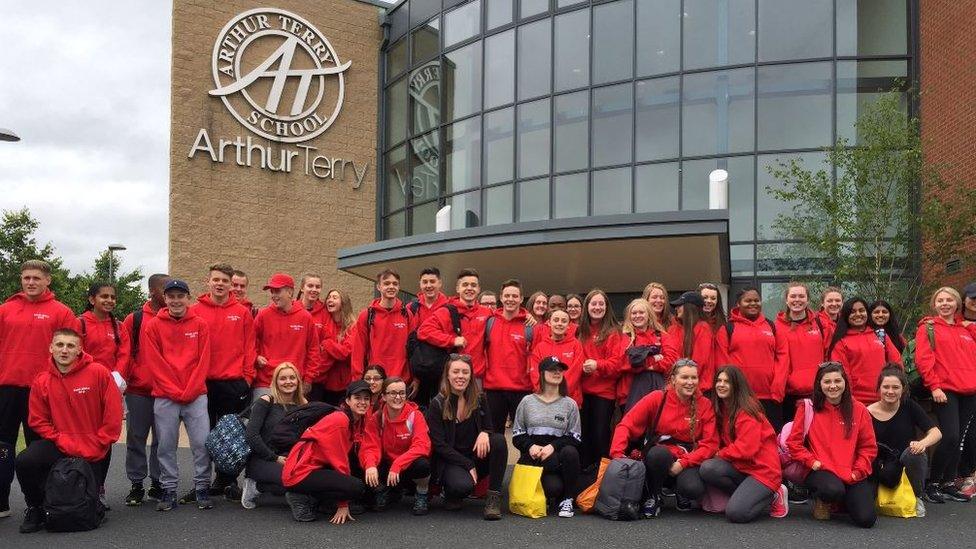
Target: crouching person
pixel 317 467
pixel 76 409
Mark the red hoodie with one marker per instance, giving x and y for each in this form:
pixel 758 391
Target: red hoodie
pixel 701 351
pixel 437 330
pixel 829 324
pixel 570 352
pixel 399 441
pixel 806 344
pixel 951 366
pixel 138 378
pixel 325 445
pixel 754 451
pixel 318 311
pixel 26 330
pixel 232 346
pixel 826 443
pixel 610 363
pixel 761 355
pixel 336 373
pixel 508 353
pixel 674 422
pixel 80 411
pixel 387 345
pixel 178 355
pixel 286 337
pixel 648 337
pixel 98 340
pixel 421 312
pixel 863 356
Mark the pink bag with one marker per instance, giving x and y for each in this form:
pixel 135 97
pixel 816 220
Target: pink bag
pixel 714 500
pixel 793 470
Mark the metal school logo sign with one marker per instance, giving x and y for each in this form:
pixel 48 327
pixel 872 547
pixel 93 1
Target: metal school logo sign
pixel 279 76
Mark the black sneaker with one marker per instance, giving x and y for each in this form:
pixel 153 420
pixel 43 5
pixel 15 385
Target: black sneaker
pixel 652 507
pixel 136 495
pixel 34 518
pixel 932 494
pixel 4 508
pixel 797 495
pixel 951 493
pixel 203 499
pixel 155 492
pixel 421 505
pixel 167 501
pixel 682 503
pixel 381 499
pixel 233 492
pixel 189 497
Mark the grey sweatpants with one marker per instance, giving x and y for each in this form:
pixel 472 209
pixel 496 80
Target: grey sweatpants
pixel 197 422
pixel 138 422
pixel 749 499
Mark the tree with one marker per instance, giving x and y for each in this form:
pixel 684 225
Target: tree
pixel 18 244
pixel 867 225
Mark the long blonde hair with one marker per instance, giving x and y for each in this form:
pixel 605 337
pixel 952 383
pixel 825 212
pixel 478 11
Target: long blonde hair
pixel 346 315
pixel 667 317
pixel 299 397
pixel 652 322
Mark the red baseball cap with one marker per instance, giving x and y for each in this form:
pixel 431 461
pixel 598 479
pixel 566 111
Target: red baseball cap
pixel 279 280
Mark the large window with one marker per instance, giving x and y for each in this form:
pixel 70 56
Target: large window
pixel 572 53
pixel 534 59
pixel 571 131
pixel 719 33
pixel 613 41
pixel 718 112
pixel 533 139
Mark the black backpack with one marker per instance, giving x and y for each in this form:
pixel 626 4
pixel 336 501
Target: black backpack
pixel 71 497
pixel 426 360
pixel 291 427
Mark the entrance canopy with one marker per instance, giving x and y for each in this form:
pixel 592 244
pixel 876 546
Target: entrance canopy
pixel 618 253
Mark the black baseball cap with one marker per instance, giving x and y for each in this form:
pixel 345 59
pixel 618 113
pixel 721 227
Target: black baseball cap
pixel 552 363
pixel 970 290
pixel 689 297
pixel 176 284
pixel 358 386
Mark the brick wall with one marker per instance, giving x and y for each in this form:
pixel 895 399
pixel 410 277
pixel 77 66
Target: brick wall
pixel 948 102
pixel 258 220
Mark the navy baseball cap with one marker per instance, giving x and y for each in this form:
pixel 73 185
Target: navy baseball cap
pixel 176 284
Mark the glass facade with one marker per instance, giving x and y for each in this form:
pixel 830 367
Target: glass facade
pixel 523 110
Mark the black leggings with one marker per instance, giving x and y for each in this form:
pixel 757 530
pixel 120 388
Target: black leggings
pixel 595 417
pixel 456 480
pixel 34 464
pixel 330 485
pixel 774 413
pixel 687 484
pixel 266 473
pixel 502 405
pixel 858 498
pixel 954 415
pixel 318 393
pixel 417 470
pixel 560 473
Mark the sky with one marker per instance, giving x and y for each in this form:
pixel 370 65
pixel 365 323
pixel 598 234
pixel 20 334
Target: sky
pixel 86 87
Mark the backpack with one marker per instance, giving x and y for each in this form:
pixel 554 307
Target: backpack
pixel 227 445
pixel 115 329
pixel 71 497
pixel 793 470
pixel 291 427
pixel 911 367
pixel 426 360
pixel 491 322
pixel 621 489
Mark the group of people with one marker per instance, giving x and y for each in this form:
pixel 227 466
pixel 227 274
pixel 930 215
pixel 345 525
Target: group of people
pixel 698 395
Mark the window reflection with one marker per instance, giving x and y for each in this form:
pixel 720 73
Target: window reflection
pixel 533 138
pixel 717 112
pixel 462 82
pixel 571 139
pixel 719 33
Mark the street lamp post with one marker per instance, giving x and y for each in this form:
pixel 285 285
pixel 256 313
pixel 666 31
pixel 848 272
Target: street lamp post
pixel 8 135
pixel 112 248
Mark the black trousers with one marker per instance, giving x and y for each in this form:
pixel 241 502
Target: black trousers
pixel 226 396
pixel 595 418
pixel 456 480
pixel 560 473
pixel 426 390
pixel 774 413
pixel 266 473
pixel 502 405
pixel 418 469
pixel 318 393
pixel 858 498
pixel 34 464
pixel 658 461
pixel 954 415
pixel 330 485
pixel 13 416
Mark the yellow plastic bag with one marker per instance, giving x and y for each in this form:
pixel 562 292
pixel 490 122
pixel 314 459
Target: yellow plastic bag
pixel 898 501
pixel 525 494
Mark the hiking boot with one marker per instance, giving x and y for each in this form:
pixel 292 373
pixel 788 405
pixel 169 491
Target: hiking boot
pixel 453 504
pixel 493 505
pixel 189 497
pixel 682 503
pixel 167 501
pixel 821 510
pixel 381 500
pixel 136 495
pixel 155 492
pixel 566 508
pixel 302 506
pixel 652 507
pixel 34 518
pixel 249 494
pixel 421 504
pixel 203 499
pixel 933 494
pixel 780 506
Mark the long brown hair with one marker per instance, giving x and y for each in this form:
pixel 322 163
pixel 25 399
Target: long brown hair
pixel 690 316
pixel 717 318
pixel 607 325
pixel 346 315
pixel 846 404
pixel 530 304
pixel 472 394
pixel 741 399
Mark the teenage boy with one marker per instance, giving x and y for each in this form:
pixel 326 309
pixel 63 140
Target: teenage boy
pixel 238 284
pixel 507 344
pixel 232 355
pixel 430 297
pixel 139 400
pixel 438 330
pixel 28 321
pixel 381 331
pixel 178 346
pixel 76 409
pixel 285 332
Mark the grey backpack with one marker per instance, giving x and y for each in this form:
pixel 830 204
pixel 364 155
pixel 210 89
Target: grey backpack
pixel 620 492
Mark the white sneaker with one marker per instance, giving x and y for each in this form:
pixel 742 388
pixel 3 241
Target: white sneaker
pixel 919 508
pixel 566 508
pixel 249 494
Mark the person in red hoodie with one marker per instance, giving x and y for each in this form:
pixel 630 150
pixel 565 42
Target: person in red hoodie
pixel 381 331
pixel 285 332
pixel 76 409
pixel 232 356
pixel 238 287
pixel 438 331
pixel 430 297
pixel 691 334
pixel 747 466
pixel 838 449
pixel 650 352
pixel 945 353
pixel 309 294
pixel 178 354
pixel 396 448
pixel 566 348
pixel 507 342
pixel 656 294
pixel 139 401
pixel 862 350
pixel 807 338
pixel 336 344
pixel 27 322
pixel 830 304
pixel 754 345
pixel 675 428
pixel 317 467
pixel 603 362
pixel 102 336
